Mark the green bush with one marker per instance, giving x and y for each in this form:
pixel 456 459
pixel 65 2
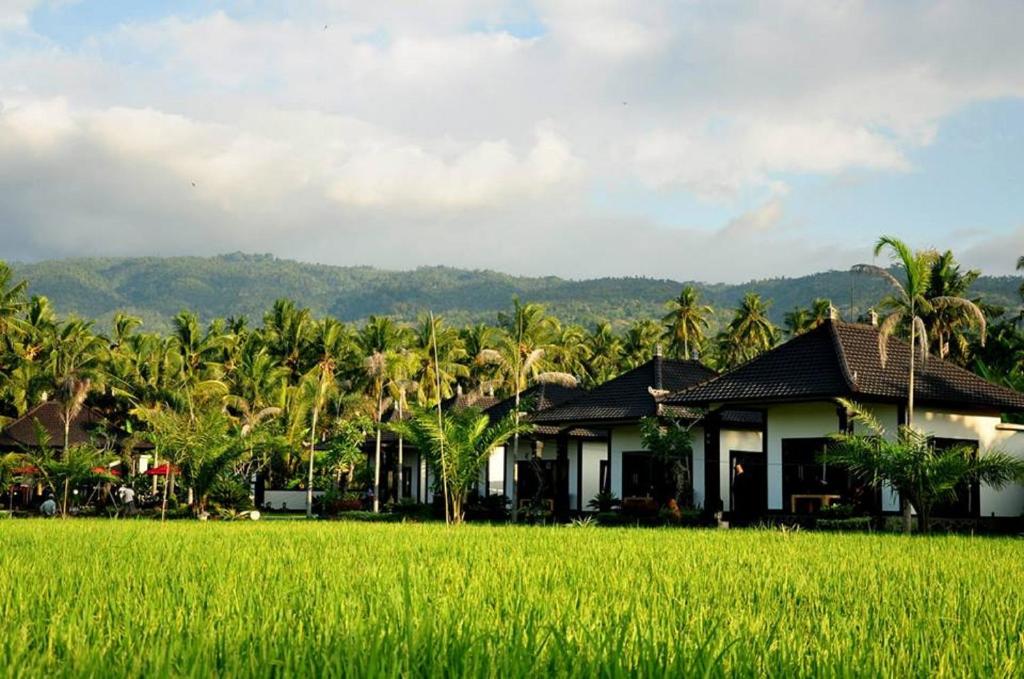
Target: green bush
pixel 857 523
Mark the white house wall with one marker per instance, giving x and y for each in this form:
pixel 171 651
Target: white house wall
pixel 741 441
pixel 794 421
pixel 593 453
pixel 990 435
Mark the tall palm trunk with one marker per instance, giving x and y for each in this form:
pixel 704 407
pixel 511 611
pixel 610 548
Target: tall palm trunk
pixel 377 452
pixel 515 456
pixel 312 452
pixel 905 506
pixel 401 455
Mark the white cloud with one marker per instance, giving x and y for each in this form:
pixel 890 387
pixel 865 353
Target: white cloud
pixel 400 122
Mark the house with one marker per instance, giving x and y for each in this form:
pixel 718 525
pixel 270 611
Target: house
pixel 794 388
pixel 619 462
pixel 499 475
pixel 44 425
pixel 47 418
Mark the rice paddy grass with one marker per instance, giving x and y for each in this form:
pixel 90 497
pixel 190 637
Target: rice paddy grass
pixel 139 599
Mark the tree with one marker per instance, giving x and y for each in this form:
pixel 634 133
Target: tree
pixel 748 334
pixel 686 322
pixel 605 350
pixel 9 464
pixel 75 360
pixel 377 340
pixel 466 437
pixel 318 385
pixel 670 441
pixel 528 332
pixel 798 321
pixel 438 371
pixel 948 322
pixel 909 303
pixel 913 466
pixel 642 340
pixel 12 300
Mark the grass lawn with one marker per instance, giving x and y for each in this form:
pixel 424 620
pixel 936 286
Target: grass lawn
pixel 135 598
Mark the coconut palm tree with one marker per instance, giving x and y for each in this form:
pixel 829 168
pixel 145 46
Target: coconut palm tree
pixel 605 350
pixel 12 300
pixel 749 333
pixel 686 322
pixel 331 344
pixel 908 304
pixel 286 332
pixel 475 339
pixel 912 465
pixel 75 361
pixel 402 370
pixel 440 369
pixel 798 321
pixel 568 351
pixel 947 323
pixel 640 343
pixel 377 340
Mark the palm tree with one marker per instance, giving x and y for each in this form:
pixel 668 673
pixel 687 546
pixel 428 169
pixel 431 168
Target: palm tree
pixel 528 333
pixel 12 300
pixel 605 349
pixel 331 343
pixel 475 339
pixel 749 333
pixel 402 368
pixel 286 332
pixel 568 351
pixel 686 322
pixel 909 303
pixel 948 322
pixel 75 361
pixel 438 370
pixel 798 321
pixel 378 338
pixel 458 444
pixel 922 474
pixel 640 343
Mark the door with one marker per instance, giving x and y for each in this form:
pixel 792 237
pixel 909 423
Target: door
pixel 748 491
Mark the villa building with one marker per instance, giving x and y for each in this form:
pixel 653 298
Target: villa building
pixel 795 386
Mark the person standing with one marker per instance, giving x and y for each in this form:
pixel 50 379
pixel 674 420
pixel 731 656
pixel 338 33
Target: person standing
pixel 741 500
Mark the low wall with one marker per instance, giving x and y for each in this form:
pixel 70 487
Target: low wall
pixel 292 500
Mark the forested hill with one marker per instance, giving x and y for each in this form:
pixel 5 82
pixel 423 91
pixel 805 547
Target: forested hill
pixel 246 285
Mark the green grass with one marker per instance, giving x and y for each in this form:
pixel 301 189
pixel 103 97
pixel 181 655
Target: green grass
pixel 135 598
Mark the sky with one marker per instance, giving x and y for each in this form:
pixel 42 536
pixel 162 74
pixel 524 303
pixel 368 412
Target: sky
pixel 718 141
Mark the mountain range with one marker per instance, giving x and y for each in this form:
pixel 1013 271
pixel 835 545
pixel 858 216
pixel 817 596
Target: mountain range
pixel 155 288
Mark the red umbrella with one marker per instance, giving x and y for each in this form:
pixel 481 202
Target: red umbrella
pixel 27 469
pixel 162 470
pixel 105 470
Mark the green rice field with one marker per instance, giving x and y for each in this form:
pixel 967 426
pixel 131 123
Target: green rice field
pixel 137 598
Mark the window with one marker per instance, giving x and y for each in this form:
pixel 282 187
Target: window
pixel 604 481
pixel 406 481
pixel 808 483
pixel 967 503
pixel 645 475
pixel 535 480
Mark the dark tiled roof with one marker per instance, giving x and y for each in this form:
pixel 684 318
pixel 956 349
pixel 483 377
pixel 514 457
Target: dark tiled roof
pixel 628 396
pixel 537 399
pixel 21 433
pixel 843 359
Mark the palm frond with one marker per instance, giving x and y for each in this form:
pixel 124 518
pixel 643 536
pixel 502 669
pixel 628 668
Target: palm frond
pixel 878 271
pixel 559 378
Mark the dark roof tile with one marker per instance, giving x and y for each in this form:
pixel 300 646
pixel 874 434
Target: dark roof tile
pixel 839 359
